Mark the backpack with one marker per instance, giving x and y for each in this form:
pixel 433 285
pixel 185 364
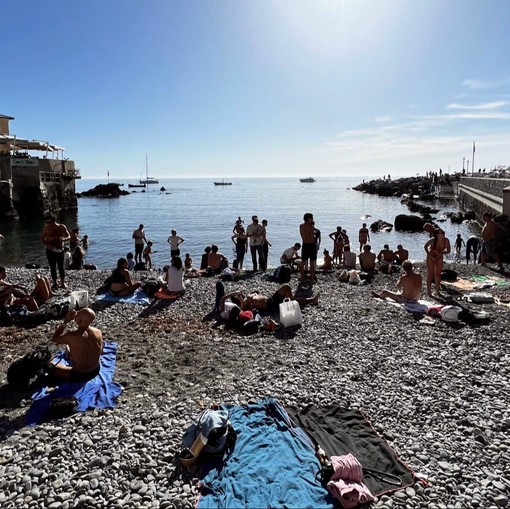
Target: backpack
pixel 23 370
pixel 211 434
pixel 282 274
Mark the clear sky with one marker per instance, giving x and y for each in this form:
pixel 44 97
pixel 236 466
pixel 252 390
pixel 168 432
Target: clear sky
pixel 226 88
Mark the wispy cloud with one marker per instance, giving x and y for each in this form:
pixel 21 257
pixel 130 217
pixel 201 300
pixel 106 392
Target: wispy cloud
pixel 483 106
pixel 475 83
pixel 476 115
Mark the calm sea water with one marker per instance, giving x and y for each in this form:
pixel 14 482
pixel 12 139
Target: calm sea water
pixel 204 214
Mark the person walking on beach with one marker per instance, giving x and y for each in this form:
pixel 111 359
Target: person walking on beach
pixel 139 236
pixel 459 242
pixel 265 245
pixel 338 244
pixel 175 241
pixel 436 248
pixel 255 233
pixel 363 236
pixel 309 248
pixel 53 237
pixel 409 283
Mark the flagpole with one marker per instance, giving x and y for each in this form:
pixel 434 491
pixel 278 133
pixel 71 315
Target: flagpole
pixel 473 160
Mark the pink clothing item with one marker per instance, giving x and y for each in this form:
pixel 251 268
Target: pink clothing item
pixel 346 467
pixel 350 493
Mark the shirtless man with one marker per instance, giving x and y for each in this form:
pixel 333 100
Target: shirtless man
pixel 363 236
pixel 216 261
pixel 401 255
pixel 385 258
pixel 367 259
pixel 409 285
pixel 53 237
pixel 489 243
pixel 264 303
pixel 139 236
pixel 85 347
pixel 309 249
pixel 349 259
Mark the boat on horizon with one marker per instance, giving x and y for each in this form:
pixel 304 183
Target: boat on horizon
pixel 223 183
pixel 136 185
pixel 308 180
pixel 147 179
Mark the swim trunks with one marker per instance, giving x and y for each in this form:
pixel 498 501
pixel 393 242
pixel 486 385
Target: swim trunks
pixel 309 251
pixel 273 303
pixel 75 376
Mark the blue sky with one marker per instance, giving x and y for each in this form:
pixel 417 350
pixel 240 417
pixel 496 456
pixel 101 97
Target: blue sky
pixel 258 87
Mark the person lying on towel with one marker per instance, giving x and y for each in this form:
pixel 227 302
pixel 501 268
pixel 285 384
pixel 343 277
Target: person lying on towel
pixel 85 347
pixel 409 283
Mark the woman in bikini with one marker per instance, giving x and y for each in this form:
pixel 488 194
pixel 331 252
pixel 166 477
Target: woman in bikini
pixel 120 280
pixel 436 247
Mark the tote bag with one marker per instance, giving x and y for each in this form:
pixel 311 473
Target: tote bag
pixel 290 313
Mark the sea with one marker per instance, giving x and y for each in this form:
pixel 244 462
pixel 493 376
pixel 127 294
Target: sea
pixel 204 214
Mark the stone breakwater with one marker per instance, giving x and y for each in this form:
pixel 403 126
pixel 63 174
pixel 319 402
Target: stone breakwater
pixel 438 394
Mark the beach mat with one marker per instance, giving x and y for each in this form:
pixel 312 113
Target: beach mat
pixel 339 431
pixel 422 306
pixel 139 297
pixel 100 392
pixel 272 464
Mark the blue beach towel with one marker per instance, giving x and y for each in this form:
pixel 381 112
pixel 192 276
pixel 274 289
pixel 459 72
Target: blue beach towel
pixel 100 392
pixel 272 464
pixel 139 297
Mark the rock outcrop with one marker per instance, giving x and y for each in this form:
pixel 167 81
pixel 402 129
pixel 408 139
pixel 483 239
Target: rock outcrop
pixel 104 191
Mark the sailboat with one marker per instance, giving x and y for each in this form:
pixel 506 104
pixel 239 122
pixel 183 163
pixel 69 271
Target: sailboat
pixel 147 179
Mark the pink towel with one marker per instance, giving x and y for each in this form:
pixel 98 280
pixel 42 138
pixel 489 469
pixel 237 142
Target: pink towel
pixel 345 484
pixel 350 493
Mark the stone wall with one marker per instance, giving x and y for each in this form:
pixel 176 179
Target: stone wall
pixel 482 194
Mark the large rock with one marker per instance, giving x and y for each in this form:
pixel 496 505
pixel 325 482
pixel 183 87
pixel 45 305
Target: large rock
pixel 105 191
pixel 408 223
pixel 381 226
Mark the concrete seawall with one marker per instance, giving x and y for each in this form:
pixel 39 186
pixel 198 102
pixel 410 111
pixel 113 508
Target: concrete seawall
pixel 485 195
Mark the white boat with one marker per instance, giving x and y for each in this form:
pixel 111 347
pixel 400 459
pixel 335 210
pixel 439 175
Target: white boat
pixel 308 180
pixel 147 179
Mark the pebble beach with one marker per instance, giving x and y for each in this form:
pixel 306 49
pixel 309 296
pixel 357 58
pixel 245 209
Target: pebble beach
pixel 439 393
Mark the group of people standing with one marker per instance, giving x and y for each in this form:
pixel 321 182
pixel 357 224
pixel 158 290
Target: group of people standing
pixel 254 237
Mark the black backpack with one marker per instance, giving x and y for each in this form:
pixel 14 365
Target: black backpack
pixel 22 371
pixel 282 274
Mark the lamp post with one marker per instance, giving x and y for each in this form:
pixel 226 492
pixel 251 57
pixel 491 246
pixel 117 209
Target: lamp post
pixel 463 161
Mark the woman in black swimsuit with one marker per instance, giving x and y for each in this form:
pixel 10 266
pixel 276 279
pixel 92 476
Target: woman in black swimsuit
pixel 120 280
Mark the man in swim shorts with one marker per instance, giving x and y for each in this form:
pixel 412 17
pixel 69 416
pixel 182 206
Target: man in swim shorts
pixel 85 347
pixel 309 248
pixel 409 283
pixel 139 236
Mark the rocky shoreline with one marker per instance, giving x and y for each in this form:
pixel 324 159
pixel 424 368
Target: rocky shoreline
pixel 438 394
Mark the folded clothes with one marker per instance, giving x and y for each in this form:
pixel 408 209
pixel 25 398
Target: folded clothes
pixel 346 467
pixel 350 493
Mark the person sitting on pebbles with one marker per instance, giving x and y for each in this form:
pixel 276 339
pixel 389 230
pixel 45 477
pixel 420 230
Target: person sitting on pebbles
pixel 11 294
pixel 409 283
pixel 85 347
pixel 386 258
pixel 120 280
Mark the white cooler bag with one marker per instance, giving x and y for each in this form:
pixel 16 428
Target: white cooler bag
pixel 79 299
pixel 290 313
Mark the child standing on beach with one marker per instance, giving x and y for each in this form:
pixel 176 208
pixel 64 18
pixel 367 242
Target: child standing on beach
pixel 459 242
pixel 147 254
